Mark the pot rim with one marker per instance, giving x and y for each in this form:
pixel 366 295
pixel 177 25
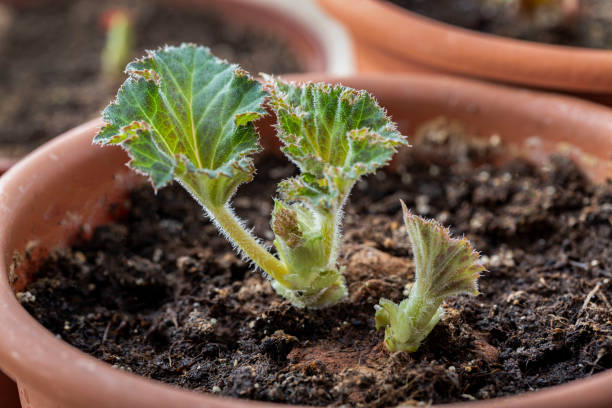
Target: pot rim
pixel 323 42
pixel 440 45
pixel 335 41
pixel 51 364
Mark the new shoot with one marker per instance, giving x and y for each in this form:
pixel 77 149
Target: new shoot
pixel 119 43
pixel 188 116
pixel 444 267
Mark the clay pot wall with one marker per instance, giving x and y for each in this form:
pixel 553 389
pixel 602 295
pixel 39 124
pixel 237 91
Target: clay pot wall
pixel 68 185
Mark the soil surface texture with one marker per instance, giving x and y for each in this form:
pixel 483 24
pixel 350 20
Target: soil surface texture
pixel 50 69
pixel 161 294
pixel 580 23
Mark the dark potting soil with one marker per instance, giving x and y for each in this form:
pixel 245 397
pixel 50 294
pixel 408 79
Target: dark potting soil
pixel 590 27
pixel 163 295
pixel 50 78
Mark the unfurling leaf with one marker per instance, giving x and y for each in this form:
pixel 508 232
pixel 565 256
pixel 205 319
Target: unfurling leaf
pixel 444 266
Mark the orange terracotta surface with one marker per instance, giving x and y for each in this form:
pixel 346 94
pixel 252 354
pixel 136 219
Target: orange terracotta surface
pixel 69 184
pixel 389 38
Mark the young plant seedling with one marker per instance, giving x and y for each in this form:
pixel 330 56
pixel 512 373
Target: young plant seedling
pixel 444 266
pixel 119 43
pixel 188 116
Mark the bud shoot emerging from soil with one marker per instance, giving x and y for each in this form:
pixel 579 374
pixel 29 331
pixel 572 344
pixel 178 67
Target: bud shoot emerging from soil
pixel 188 116
pixel 119 42
pixel 444 266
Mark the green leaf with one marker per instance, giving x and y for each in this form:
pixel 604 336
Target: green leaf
pixel 195 117
pixel 146 156
pixel 333 133
pixel 307 187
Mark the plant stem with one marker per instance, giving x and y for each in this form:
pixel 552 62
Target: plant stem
pixel 419 315
pixel 333 221
pixel 234 231
pixel 422 307
pixel 227 221
pixel 329 227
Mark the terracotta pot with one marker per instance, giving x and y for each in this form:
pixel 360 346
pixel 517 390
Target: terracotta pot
pixel 320 42
pixel 69 184
pixel 388 38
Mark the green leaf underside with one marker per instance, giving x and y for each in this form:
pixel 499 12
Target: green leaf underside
pixel 187 115
pixel 445 266
pixel 334 134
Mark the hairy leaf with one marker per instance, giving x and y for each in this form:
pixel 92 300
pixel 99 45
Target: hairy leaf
pixel 185 114
pixel 333 133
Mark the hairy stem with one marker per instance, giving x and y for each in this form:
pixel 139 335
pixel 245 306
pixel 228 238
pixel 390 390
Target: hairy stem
pixel 336 221
pixel 234 230
pixel 426 312
pixel 227 221
pixel 330 236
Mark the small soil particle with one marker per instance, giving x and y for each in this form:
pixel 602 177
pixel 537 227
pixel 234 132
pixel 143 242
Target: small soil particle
pixel 50 78
pixel 589 25
pixel 161 294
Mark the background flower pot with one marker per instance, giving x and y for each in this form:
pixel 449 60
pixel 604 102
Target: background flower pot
pixel 318 40
pixel 389 38
pixel 312 40
pixel 68 185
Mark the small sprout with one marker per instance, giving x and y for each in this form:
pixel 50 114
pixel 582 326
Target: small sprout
pixel 119 42
pixel 188 116
pixel 444 266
